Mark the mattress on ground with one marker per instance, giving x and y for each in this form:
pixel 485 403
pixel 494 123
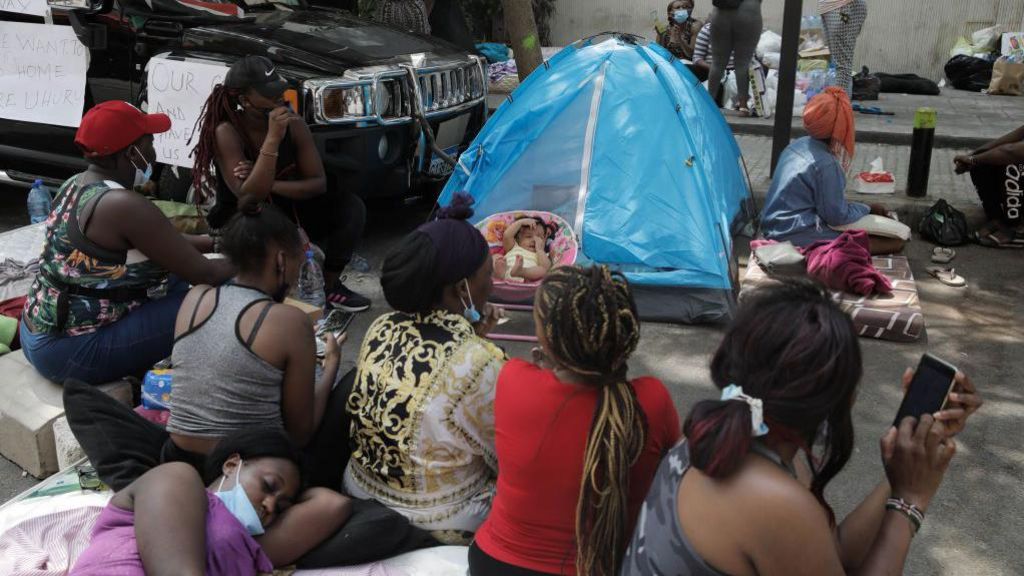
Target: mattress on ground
pixel 896 317
pixel 45 529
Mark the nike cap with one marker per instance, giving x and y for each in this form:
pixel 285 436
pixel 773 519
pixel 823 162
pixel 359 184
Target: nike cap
pixel 257 73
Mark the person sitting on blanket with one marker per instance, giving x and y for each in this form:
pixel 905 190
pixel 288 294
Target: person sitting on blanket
pixel 997 170
pixel 578 442
pixel 526 257
pixel 422 405
pixel 738 497
pixel 246 518
pixel 94 311
pixel 807 194
pixel 242 358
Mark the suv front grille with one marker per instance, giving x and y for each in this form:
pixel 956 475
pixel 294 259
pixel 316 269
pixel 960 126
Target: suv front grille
pixel 440 89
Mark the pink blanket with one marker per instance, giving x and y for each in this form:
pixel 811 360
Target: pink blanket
pixel 845 264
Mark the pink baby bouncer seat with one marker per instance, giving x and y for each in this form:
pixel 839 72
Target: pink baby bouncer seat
pixel 563 251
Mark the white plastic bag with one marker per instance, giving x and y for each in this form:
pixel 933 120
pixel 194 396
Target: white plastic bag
pixel 770 42
pixel 987 39
pixel 772 60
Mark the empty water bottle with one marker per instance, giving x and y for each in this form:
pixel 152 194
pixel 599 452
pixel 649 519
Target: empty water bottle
pixel 311 282
pixel 359 264
pixel 38 202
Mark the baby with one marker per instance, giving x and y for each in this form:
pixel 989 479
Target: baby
pixel 526 258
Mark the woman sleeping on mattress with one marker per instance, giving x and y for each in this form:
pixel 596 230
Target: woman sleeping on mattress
pixel 526 257
pixel 245 521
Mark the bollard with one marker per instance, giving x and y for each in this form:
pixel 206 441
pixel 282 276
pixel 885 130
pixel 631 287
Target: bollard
pixel 921 152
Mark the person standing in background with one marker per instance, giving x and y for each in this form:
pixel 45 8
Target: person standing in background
pixel 411 15
pixel 843 20
pixel 735 30
pixel 680 37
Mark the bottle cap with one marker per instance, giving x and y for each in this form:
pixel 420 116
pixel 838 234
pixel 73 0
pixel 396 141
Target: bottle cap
pixel 309 254
pixel 38 182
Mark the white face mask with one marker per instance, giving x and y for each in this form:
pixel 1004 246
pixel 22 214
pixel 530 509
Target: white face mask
pixel 141 176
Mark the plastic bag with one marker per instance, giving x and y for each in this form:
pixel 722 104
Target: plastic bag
pixel 987 39
pixel 944 225
pixel 969 73
pixel 866 86
pixel 770 42
pixel 963 47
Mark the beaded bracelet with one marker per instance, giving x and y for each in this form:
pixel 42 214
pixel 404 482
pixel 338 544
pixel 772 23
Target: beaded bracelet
pixel 907 509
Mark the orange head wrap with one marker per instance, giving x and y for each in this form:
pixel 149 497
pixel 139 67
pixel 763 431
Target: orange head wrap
pixel 829 116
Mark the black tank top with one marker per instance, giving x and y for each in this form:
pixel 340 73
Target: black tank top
pixel 287 169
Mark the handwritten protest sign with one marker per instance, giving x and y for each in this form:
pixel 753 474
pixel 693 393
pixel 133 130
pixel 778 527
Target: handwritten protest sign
pixel 179 89
pixel 32 7
pixel 42 73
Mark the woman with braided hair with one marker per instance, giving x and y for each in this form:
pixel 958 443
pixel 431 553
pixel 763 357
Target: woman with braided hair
pixel 253 148
pixel 577 441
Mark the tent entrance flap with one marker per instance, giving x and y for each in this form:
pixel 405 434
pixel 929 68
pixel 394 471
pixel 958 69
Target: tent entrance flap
pixel 588 152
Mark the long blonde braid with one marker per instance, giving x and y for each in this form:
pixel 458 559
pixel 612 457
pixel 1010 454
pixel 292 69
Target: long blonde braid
pixel 591 326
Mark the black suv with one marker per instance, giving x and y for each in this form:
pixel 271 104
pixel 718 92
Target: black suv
pixel 388 109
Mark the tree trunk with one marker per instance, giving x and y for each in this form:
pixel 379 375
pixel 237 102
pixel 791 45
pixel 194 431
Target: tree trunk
pixel 522 31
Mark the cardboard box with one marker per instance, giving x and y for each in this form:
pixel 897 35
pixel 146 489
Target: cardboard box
pixel 315 313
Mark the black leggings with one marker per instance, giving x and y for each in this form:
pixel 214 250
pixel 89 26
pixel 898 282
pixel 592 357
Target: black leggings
pixel 481 564
pixel 334 221
pixel 1001 189
pixel 122 446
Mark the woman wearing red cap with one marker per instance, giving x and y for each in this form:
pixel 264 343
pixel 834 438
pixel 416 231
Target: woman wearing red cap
pixel 807 195
pixel 93 311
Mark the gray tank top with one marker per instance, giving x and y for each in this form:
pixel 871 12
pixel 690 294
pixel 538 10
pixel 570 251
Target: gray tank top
pixel 659 545
pixel 220 385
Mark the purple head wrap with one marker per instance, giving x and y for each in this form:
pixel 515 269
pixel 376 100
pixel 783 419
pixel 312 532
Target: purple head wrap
pixel 461 248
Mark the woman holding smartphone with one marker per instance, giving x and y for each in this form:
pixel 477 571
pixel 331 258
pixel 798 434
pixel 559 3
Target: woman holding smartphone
pixel 789 368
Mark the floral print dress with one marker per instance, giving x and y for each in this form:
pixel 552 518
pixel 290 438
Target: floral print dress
pixel 71 260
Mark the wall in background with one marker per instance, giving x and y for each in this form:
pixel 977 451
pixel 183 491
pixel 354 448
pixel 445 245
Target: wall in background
pixel 900 35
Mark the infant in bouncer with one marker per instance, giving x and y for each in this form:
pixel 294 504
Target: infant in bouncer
pixel 526 256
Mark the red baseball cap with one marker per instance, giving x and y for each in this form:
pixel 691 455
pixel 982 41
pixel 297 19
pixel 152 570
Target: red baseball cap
pixel 112 126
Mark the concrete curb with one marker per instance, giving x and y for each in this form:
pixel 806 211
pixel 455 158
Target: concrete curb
pixel 759 128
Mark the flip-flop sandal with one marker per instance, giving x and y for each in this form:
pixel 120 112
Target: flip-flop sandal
pixel 948 276
pixel 1001 239
pixel 942 255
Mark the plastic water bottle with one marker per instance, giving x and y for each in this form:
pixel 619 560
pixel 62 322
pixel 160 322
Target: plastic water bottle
pixel 830 76
pixel 359 264
pixel 39 202
pixel 311 282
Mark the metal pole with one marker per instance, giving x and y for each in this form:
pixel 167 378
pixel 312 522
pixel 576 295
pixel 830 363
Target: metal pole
pixel 787 78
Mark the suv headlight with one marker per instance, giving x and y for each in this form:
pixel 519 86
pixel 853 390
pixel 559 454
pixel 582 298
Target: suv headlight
pixel 347 103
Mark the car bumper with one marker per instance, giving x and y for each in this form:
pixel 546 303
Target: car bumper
pixel 391 160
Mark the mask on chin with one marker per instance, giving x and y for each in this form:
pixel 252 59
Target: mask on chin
pixel 237 502
pixel 142 176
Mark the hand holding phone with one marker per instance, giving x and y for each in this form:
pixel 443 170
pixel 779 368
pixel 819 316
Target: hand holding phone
pixel 929 389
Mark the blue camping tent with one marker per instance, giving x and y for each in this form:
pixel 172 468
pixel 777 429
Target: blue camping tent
pixel 620 139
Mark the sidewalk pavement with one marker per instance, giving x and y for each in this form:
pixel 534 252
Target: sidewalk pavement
pixel 943 182
pixel 965 119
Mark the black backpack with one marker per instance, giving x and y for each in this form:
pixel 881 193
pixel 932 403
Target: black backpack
pixel 944 225
pixel 726 4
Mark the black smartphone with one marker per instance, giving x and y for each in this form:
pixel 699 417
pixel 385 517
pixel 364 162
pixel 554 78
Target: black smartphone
pixel 929 390
pixel 336 322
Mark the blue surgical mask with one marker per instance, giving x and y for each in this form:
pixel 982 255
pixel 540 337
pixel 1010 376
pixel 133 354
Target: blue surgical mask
pixel 237 502
pixel 681 16
pixel 471 312
pixel 141 176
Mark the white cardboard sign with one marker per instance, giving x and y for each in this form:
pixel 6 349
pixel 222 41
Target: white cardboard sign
pixel 42 73
pixel 179 89
pixel 31 7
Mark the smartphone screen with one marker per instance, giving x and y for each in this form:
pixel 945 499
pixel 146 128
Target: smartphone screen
pixel 928 390
pixel 336 322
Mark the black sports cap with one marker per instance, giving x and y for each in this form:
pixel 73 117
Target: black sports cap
pixel 257 73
